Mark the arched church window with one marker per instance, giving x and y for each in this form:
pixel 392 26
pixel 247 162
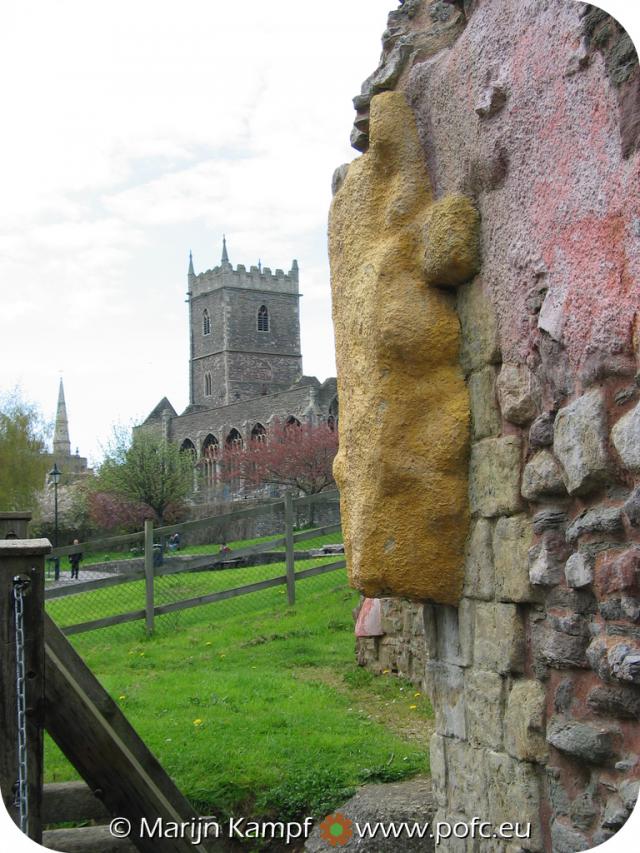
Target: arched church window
pixel 263 319
pixel 207 385
pixel 258 433
pixel 332 420
pixel 234 440
pixel 210 446
pixel 206 322
pixel 210 453
pixel 189 447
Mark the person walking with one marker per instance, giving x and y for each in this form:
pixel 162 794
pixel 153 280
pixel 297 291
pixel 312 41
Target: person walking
pixel 74 560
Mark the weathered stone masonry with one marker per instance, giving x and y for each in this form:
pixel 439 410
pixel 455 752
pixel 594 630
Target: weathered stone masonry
pixel 530 109
pixel 244 372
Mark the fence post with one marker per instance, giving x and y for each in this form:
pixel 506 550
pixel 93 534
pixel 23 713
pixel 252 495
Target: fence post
pixel 148 573
pixel 22 693
pixel 290 558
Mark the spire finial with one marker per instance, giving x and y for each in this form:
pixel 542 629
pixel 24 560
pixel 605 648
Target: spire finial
pixel 259 265
pixel 225 256
pixel 191 270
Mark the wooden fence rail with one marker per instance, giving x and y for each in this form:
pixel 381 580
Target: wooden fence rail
pixel 197 601
pixel 183 564
pixel 179 565
pixel 45 684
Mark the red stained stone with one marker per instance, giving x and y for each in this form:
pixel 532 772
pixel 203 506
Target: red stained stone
pixel 617 571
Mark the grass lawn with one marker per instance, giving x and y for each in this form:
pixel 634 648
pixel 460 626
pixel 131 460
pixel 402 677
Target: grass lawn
pixel 258 709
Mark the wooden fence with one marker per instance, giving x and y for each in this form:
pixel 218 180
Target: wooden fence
pixel 182 565
pixel 45 684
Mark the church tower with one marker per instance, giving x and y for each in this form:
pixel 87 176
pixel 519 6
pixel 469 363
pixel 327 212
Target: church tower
pixel 244 332
pixel 61 443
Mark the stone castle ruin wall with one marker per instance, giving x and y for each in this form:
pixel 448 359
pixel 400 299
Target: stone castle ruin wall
pixel 529 110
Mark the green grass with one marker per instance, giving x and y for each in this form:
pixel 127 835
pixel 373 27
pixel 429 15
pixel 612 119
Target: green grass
pixel 260 709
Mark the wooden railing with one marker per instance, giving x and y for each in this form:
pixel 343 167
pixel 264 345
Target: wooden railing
pixel 57 691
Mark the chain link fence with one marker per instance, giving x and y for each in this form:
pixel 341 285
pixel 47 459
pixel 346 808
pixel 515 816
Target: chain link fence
pixel 174 584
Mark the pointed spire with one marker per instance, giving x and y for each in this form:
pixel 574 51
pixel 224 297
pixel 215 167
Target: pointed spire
pixel 225 256
pixel 61 443
pixel 259 265
pixel 191 270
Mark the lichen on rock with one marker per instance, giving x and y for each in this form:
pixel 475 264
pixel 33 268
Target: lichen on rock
pixel 404 409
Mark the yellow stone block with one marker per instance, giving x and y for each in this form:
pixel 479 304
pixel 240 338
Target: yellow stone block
pixel 404 409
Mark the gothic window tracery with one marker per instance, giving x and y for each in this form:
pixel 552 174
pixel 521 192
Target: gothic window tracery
pixel 234 440
pixel 258 433
pixel 206 322
pixel 210 455
pixel 210 446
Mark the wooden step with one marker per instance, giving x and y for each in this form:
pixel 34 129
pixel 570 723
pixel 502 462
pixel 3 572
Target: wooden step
pixel 86 839
pixel 73 802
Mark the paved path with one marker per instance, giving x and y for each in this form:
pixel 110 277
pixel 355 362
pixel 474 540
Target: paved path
pixel 67 580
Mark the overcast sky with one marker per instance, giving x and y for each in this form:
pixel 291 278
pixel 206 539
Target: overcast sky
pixel 134 132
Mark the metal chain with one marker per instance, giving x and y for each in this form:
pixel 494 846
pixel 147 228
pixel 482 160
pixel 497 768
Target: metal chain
pixel 21 801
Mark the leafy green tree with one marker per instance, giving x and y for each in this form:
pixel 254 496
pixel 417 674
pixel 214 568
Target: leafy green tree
pixel 145 468
pixel 24 461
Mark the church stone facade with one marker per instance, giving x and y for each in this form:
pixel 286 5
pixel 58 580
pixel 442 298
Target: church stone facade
pixel 245 366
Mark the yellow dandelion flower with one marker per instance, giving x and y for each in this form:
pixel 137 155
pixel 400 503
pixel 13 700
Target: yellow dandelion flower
pixel 415 695
pixel 386 671
pixel 122 698
pixel 197 722
pixel 413 707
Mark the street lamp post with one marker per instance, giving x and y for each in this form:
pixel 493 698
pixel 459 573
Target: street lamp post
pixel 55 474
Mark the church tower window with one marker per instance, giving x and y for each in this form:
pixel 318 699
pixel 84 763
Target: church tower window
pixel 206 322
pixel 207 385
pixel 263 319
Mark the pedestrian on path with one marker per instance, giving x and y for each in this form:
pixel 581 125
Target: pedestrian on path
pixel 74 560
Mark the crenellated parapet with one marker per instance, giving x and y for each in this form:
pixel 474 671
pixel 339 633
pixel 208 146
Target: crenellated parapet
pixel 254 278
